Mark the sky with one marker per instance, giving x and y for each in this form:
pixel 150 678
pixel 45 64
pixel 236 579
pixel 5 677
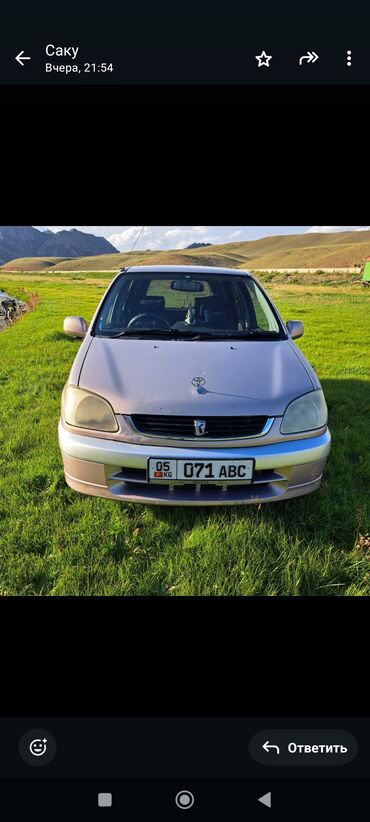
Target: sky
pixel 180 236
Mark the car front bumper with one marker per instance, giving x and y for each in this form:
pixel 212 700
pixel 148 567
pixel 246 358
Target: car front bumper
pixel 117 470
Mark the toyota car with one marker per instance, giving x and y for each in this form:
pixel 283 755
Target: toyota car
pixel 188 389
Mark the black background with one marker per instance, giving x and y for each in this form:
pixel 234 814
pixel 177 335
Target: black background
pixel 190 656
pixel 118 111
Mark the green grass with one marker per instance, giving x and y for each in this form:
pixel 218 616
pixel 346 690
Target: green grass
pixel 56 542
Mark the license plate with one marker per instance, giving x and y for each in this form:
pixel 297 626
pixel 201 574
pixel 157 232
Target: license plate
pixel 200 470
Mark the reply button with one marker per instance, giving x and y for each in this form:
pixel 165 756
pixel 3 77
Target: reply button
pixel 303 747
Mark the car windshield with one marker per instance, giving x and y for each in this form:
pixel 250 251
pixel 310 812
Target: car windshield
pixel 186 305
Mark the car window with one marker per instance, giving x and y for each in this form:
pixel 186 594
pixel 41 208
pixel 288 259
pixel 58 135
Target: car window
pixel 216 303
pixel 264 316
pixel 174 299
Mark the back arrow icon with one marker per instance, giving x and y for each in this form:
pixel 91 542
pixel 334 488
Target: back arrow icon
pixel 267 747
pixel 20 57
pixel 311 57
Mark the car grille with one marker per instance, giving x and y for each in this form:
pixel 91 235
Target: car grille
pixel 138 476
pixel 216 427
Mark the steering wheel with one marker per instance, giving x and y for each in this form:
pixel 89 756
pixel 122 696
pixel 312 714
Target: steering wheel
pixel 159 322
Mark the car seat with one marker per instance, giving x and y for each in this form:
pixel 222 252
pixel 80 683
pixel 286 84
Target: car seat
pixel 152 303
pixel 213 312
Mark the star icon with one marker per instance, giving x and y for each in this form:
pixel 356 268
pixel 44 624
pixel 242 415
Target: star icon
pixel 263 59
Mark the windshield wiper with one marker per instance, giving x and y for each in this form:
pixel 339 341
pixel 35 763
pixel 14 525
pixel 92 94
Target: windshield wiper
pixel 243 335
pixel 194 335
pixel 134 332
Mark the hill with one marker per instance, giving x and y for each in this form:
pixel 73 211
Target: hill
pixel 33 263
pixel 336 250
pixel 25 241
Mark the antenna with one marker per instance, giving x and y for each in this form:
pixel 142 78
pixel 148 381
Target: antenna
pixel 137 239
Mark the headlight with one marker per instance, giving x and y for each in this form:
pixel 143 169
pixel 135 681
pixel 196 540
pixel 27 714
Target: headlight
pixel 305 413
pixel 86 410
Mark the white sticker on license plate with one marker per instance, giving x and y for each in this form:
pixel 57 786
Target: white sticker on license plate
pixel 200 470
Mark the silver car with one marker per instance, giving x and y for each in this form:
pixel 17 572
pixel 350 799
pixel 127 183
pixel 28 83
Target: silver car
pixel 189 390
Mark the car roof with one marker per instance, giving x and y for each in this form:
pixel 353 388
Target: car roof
pixel 185 269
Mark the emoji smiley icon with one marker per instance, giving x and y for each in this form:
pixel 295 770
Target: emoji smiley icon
pixel 38 747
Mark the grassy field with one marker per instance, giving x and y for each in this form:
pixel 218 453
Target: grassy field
pixel 342 249
pixel 56 542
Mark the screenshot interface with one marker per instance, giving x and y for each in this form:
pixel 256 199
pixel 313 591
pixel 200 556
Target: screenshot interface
pixel 80 63
pixel 184 768
pixel 197 44
pixel 187 67
pixel 184 415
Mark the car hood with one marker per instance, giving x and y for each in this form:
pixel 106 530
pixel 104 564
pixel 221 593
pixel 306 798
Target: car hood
pixel 140 376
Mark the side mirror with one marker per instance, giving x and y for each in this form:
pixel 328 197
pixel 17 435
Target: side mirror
pixel 295 329
pixel 75 326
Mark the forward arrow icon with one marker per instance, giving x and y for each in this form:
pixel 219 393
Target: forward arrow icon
pixel 311 57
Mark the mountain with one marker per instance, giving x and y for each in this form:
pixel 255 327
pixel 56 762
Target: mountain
pixel 198 245
pixel 26 241
pixel 74 243
pixel 18 241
